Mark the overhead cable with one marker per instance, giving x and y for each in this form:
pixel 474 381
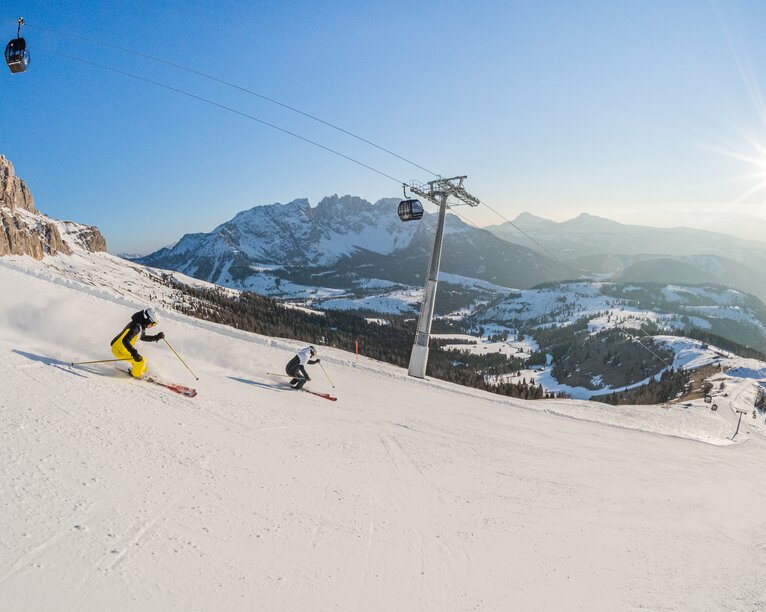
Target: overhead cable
pixel 221 106
pixel 238 87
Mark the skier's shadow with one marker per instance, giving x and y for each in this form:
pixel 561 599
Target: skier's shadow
pixel 273 387
pixel 56 363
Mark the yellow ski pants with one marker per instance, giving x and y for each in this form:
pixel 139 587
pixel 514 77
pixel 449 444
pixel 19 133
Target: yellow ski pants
pixel 120 352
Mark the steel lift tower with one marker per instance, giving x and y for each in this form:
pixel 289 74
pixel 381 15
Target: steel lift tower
pixel 438 192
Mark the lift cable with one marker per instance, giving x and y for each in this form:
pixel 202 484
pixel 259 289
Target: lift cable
pixel 671 354
pixel 268 99
pixel 221 106
pixel 505 243
pixel 637 339
pixel 235 86
pixel 545 249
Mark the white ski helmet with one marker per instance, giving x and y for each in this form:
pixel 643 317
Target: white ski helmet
pixel 150 315
pixel 312 350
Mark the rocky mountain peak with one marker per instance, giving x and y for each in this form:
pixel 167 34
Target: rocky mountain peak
pixel 13 192
pixel 25 231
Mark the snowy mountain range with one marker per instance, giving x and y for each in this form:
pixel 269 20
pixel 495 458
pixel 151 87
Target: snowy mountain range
pixel 635 253
pixel 350 254
pixel 341 242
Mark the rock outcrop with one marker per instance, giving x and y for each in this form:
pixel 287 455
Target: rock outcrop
pixel 25 231
pixel 87 236
pixel 36 237
pixel 13 192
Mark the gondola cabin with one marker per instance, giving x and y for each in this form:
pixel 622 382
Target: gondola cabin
pixel 410 210
pixel 17 55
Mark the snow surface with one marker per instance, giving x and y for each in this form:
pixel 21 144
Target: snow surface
pixel 403 301
pixel 723 297
pixel 483 346
pixel 403 495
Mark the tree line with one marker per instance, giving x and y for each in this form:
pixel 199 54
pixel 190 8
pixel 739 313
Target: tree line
pixel 390 343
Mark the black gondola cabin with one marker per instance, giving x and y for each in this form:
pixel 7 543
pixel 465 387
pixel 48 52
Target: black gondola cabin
pixel 410 210
pixel 17 55
pixel 16 52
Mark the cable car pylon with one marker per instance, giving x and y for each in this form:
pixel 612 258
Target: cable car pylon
pixel 438 191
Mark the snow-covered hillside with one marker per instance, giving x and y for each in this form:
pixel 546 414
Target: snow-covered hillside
pixel 403 495
pixel 609 305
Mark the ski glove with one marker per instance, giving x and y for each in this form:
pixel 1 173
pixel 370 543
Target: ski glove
pixel 160 336
pixel 138 358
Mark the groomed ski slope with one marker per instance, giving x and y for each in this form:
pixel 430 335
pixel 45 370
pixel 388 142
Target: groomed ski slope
pixel 403 495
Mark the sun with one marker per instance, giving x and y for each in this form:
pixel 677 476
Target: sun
pixel 753 156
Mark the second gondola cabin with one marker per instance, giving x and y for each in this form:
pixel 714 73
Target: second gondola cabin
pixel 410 210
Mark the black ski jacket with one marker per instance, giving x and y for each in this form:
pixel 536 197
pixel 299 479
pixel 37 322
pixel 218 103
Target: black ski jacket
pixel 137 325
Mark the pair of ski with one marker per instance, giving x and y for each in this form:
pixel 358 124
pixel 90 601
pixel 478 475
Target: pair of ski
pixel 180 389
pixel 326 396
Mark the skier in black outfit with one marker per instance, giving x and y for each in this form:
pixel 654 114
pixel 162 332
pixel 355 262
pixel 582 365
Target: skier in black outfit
pixel 122 345
pixel 296 367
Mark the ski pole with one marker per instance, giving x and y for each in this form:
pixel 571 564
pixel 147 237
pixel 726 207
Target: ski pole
pixel 181 360
pixel 326 374
pixel 76 363
pixel 275 374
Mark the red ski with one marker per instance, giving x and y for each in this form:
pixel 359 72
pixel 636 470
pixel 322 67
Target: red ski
pixel 180 389
pixel 185 391
pixel 327 396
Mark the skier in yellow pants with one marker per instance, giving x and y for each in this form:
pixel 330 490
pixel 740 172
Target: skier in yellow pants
pixel 123 344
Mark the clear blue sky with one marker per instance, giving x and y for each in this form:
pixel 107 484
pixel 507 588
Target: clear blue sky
pixel 610 107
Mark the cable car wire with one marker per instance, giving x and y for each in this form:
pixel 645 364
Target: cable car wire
pixel 235 86
pixel 524 233
pixel 272 101
pixel 218 105
pixel 636 338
